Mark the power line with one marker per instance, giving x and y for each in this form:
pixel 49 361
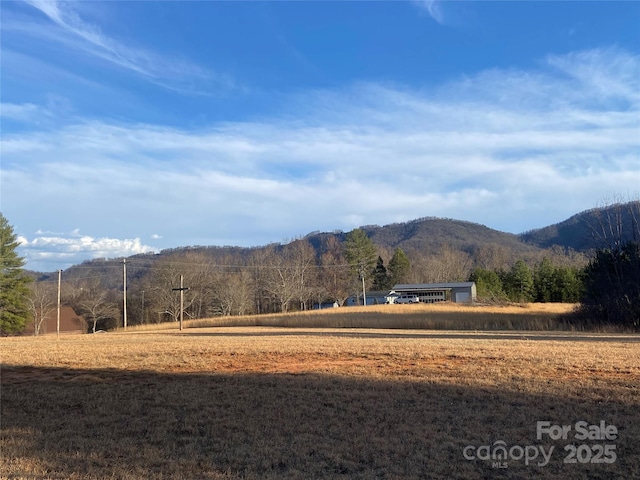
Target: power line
pixel 172 264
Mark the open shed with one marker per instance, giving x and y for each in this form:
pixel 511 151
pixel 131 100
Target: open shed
pixel 458 292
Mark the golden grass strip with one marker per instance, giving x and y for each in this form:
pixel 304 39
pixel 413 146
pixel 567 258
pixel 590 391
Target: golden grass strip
pixel 438 316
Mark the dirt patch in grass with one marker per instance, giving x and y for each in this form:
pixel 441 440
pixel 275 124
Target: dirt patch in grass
pixel 278 403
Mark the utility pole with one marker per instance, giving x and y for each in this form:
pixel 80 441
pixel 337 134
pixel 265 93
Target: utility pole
pixel 124 292
pixel 58 322
pixel 181 290
pixel 361 273
pixel 181 300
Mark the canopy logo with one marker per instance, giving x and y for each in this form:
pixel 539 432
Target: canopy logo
pixel 499 454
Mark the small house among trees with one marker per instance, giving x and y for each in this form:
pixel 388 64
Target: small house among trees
pixel 374 297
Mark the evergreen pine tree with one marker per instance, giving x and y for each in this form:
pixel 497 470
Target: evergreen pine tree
pixel 399 267
pixel 612 286
pixel 361 254
pixel 14 283
pixel 543 278
pixel 519 283
pixel 380 276
pixel 488 285
pixel 567 285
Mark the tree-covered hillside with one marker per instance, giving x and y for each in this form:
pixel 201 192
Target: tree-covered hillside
pixel 586 230
pixel 548 266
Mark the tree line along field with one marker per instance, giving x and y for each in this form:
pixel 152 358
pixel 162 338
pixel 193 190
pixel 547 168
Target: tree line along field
pixel 335 268
pixel 226 402
pixel 281 279
pixel 431 316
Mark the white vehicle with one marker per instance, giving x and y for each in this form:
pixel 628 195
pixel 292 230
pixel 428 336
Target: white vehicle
pixel 407 299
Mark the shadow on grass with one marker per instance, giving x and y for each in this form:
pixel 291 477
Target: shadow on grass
pixel 59 423
pixel 389 333
pixel 524 320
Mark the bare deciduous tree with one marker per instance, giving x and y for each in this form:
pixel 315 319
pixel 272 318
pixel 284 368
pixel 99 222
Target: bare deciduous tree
pixel 233 293
pixel 199 275
pixel 43 302
pixel 96 307
pixel 164 279
pixel 493 257
pixel 449 265
pixel 616 224
pixel 260 259
pixel 334 272
pixel 301 255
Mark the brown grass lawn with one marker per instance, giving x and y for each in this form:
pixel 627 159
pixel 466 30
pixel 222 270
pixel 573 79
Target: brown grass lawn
pixel 436 316
pixel 303 403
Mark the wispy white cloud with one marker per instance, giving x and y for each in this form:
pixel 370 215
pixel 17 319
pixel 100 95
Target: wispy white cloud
pixel 76 34
pixel 500 150
pixel 26 112
pixel 618 82
pixel 32 114
pixel 434 8
pixel 45 251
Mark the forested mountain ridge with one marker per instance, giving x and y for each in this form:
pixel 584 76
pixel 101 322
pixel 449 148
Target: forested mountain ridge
pixel 430 235
pixel 589 229
pixel 316 268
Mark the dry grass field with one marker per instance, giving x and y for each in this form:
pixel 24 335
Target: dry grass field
pixel 436 316
pixel 302 403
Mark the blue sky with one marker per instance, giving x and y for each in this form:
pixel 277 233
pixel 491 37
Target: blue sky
pixel 137 126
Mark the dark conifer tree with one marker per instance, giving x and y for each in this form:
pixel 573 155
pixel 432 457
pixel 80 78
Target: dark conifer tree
pixel 14 282
pixel 380 276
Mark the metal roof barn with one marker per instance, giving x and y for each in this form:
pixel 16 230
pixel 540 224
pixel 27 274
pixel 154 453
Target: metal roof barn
pixel 457 292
